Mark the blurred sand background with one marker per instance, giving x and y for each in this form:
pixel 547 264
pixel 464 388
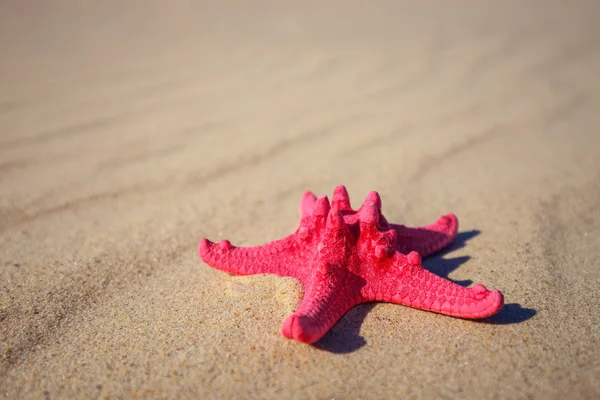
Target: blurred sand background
pixel 131 130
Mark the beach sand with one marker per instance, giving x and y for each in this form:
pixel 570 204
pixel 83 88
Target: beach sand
pixel 129 131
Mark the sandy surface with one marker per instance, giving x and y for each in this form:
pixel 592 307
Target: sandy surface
pixel 131 130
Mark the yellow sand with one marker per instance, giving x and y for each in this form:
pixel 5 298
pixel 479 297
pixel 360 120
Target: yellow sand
pixel 131 130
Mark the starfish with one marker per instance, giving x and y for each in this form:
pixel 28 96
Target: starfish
pixel 345 257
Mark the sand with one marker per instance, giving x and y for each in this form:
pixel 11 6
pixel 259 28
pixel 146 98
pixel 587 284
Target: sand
pixel 131 130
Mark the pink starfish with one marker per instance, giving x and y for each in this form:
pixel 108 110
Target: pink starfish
pixel 345 257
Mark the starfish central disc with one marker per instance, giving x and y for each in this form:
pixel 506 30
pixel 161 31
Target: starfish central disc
pixel 345 257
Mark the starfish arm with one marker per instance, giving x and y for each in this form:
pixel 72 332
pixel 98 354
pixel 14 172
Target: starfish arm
pixel 429 239
pixel 409 284
pixel 282 257
pixel 326 299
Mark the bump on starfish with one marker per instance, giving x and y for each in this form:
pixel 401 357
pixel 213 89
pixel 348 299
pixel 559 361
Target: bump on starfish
pixel 345 257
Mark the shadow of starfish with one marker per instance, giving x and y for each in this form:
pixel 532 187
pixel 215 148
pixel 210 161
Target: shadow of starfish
pixel 345 337
pixel 443 266
pixel 510 314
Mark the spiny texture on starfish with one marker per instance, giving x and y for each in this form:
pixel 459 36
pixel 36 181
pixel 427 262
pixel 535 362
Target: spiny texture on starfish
pixel 345 257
